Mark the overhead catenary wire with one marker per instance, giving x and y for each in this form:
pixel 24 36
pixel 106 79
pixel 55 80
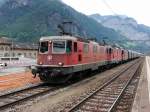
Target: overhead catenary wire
pixel 110 8
pixel 118 15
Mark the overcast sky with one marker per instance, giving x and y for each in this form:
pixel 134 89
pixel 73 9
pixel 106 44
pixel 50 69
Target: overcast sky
pixel 138 9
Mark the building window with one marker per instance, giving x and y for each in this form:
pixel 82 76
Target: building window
pixel 34 54
pixel 6 55
pixel 24 54
pixel 13 54
pixel 19 54
pixel 2 48
pixel 6 48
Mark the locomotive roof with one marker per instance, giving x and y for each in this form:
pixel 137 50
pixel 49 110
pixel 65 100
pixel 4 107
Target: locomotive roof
pixel 64 37
pixel 58 38
pixel 93 42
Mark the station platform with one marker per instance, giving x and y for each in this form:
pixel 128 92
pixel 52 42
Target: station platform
pixel 142 97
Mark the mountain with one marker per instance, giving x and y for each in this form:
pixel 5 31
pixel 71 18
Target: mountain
pixel 125 25
pixel 128 27
pixel 28 20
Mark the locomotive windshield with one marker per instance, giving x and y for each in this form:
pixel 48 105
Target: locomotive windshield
pixel 59 46
pixel 43 47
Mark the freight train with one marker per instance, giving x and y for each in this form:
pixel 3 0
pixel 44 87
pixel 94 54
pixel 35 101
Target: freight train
pixel 62 57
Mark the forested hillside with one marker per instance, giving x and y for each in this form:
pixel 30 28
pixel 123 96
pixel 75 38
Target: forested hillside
pixel 28 20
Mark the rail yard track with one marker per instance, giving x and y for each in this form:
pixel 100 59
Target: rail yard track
pixel 15 97
pixel 107 97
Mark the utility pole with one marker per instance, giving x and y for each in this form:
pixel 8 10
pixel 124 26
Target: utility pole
pixel 12 49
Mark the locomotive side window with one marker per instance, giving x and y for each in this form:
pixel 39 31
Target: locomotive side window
pixel 69 46
pixel 122 52
pixel 43 47
pixel 110 51
pixel 59 46
pixel 85 48
pixel 75 46
pixel 94 49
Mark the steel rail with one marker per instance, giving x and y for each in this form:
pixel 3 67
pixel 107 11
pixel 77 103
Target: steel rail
pixel 22 89
pixel 121 93
pixel 23 95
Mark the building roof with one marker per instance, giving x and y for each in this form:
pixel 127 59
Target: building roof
pixel 5 41
pixel 17 45
pixel 24 46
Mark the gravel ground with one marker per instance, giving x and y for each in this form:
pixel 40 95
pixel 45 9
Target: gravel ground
pixel 16 80
pixel 64 97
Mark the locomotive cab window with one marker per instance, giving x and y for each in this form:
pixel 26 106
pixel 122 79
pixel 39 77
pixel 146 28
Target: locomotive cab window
pixel 59 46
pixel 69 46
pixel 43 47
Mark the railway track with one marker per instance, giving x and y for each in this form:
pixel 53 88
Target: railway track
pixel 106 97
pixel 16 97
pixel 13 98
pixel 127 98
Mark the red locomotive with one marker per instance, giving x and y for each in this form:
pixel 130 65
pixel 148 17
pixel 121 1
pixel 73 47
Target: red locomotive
pixel 61 57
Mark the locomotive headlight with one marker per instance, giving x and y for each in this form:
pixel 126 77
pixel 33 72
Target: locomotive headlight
pixel 50 41
pixel 60 64
pixel 49 57
pixel 41 63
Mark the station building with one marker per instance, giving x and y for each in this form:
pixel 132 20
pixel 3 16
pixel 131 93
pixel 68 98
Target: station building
pixel 8 48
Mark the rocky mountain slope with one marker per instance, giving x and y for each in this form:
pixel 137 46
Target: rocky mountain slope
pixel 138 33
pixel 125 25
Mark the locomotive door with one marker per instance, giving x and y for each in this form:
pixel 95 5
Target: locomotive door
pixel 77 57
pixel 109 51
pixel 79 53
pixel 122 55
pixel 69 51
pixel 94 52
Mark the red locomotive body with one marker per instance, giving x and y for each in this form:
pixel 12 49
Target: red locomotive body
pixel 60 57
